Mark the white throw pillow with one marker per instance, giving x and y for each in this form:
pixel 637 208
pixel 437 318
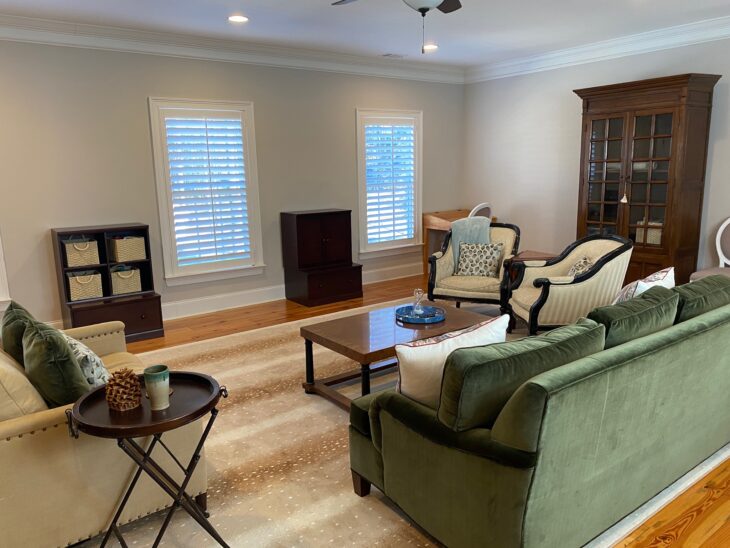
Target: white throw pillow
pixel 91 365
pixel 18 396
pixel 583 265
pixel 663 278
pixel 421 363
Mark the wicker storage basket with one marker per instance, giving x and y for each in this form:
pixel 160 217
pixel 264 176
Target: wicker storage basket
pixel 84 285
pixel 130 248
pixel 126 281
pixel 81 252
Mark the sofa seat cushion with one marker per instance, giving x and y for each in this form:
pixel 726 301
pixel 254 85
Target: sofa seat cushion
pixel 51 366
pixel 525 297
pixel 652 311
pixel 122 359
pixel 360 413
pixel 17 395
pixel 701 296
pixel 15 319
pixel 470 284
pixel 478 382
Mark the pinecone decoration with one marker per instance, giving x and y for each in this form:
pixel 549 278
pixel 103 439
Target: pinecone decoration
pixel 123 391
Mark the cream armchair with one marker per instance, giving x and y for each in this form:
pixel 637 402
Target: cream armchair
pixel 546 296
pixel 444 284
pixel 58 491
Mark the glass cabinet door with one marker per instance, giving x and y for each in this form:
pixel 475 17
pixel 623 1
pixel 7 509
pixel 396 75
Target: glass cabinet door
pixel 605 174
pixel 648 188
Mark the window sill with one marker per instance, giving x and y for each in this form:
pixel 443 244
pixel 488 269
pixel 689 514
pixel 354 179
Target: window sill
pixel 390 251
pixel 204 277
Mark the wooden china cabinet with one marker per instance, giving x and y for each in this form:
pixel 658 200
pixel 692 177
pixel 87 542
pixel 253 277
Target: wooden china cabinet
pixel 643 156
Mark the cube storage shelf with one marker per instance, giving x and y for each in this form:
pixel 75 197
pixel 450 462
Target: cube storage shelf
pixel 141 311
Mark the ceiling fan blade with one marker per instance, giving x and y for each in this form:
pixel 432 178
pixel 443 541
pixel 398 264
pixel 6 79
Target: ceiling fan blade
pixel 343 2
pixel 447 6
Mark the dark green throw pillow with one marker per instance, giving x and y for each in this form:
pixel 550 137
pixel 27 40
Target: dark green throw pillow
pixel 479 381
pixel 652 311
pixel 51 366
pixel 698 297
pixel 15 319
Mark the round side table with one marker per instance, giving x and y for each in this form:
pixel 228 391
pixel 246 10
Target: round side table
pixel 194 395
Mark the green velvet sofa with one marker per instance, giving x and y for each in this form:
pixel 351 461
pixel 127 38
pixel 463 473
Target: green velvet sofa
pixel 574 449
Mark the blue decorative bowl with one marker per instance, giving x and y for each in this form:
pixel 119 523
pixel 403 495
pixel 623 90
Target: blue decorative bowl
pixel 430 314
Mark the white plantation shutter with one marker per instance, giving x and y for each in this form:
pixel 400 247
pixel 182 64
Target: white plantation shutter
pixel 207 188
pixel 389 179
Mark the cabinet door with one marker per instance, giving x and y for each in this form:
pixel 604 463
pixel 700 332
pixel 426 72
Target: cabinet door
pixel 603 152
pixel 309 240
pixel 651 172
pixel 336 238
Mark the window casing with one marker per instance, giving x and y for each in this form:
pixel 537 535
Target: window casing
pixel 207 189
pixel 389 179
pixel 4 290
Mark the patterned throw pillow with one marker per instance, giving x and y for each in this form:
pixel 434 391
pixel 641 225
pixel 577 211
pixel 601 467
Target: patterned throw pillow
pixel 583 265
pixel 91 365
pixel 663 278
pixel 479 259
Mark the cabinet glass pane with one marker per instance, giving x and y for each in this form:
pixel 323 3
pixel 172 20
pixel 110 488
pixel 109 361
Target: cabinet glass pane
pixel 632 234
pixel 594 192
pixel 598 150
pixel 611 192
pixel 615 127
pixel 637 215
pixel 609 230
pixel 614 150
pixel 610 212
pixel 643 126
pixel 656 215
pixel 595 172
pixel 640 171
pixel 613 171
pixel 593 229
pixel 659 194
pixel 662 147
pixel 598 129
pixel 663 124
pixel 638 193
pixel 641 148
pixel 594 212
pixel 660 171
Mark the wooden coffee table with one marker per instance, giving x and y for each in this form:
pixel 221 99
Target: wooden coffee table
pixel 370 340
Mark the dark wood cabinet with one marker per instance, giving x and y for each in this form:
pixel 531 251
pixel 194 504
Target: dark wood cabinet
pixel 643 156
pixel 140 310
pixel 317 248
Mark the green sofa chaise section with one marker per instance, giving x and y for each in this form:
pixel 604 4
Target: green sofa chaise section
pixel 574 449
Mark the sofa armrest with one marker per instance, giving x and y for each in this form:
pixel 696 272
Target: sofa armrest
pixel 29 424
pixel 103 338
pixel 424 421
pixel 554 280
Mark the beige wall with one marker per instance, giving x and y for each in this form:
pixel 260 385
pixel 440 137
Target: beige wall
pixel 523 142
pixel 75 149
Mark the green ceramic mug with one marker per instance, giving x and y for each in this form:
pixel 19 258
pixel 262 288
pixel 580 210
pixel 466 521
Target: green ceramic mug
pixel 157 383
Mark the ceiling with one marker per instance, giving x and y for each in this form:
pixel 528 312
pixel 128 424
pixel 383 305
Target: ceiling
pixel 481 32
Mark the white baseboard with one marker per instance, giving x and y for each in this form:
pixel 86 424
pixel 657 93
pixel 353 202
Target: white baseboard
pixel 224 301
pixel 391 273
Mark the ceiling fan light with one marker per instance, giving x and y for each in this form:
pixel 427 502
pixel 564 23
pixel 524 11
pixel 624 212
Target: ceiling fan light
pixel 423 4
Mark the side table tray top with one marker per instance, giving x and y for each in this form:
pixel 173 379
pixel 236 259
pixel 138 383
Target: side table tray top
pixel 194 395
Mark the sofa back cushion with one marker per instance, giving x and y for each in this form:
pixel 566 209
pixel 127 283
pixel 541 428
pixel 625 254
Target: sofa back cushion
pixel 17 395
pixel 698 297
pixel 652 311
pixel 479 381
pixel 15 319
pixel 51 366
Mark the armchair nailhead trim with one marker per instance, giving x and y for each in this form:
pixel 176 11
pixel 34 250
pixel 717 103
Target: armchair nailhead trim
pixel 99 335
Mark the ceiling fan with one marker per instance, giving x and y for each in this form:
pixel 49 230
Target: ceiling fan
pixel 421 6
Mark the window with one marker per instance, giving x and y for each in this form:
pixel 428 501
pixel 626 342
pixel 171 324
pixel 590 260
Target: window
pixel 207 190
pixel 389 154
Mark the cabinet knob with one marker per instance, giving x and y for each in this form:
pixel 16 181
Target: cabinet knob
pixel 143 316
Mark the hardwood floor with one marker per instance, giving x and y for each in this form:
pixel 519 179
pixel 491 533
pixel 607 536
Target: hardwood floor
pixel 700 517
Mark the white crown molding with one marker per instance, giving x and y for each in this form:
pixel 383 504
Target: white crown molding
pixel 656 40
pixel 61 33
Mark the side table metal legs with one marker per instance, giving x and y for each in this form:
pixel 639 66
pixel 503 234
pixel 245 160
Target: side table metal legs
pixel 176 491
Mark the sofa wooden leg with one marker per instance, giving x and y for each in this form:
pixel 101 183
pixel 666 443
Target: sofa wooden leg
pixel 202 501
pixel 360 484
pixel 458 304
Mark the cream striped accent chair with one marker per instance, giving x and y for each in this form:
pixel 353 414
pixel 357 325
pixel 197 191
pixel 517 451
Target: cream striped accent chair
pixel 444 284
pixel 546 296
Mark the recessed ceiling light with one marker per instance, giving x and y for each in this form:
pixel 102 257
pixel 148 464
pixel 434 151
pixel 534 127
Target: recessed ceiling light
pixel 430 48
pixel 238 19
